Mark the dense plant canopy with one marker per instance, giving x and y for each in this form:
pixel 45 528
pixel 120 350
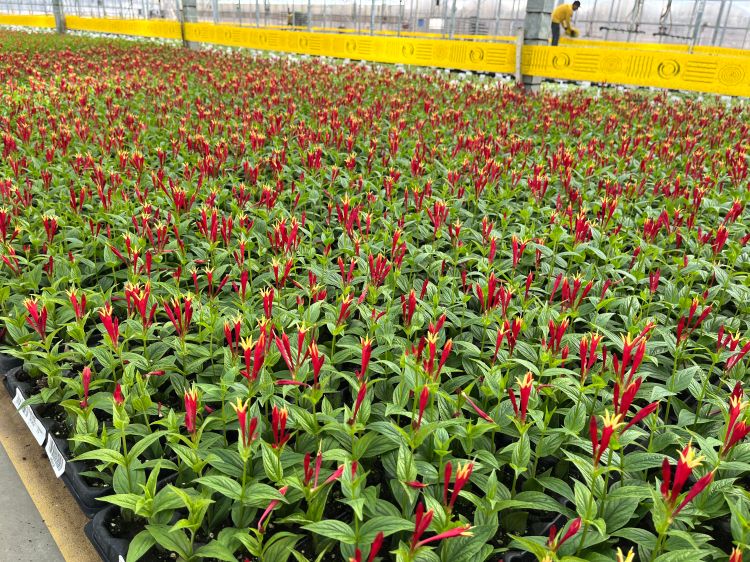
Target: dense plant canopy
pixel 297 310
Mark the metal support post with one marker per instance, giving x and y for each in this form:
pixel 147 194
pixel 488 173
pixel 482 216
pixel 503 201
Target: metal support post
pixel 257 13
pixel 400 17
pixel 189 15
pixel 453 19
pixel 700 9
pixel 722 7
pixel 519 53
pixel 497 18
pixel 536 32
pixel 309 15
pixel 726 21
pixel 57 10
pixel 372 18
pixel 215 10
pixel 476 17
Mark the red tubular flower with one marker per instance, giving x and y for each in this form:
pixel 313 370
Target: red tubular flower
pixel 336 474
pixel 344 311
pixel 611 424
pixel 117 396
pixel 267 296
pixel 191 410
pixel 476 408
pixel 687 462
pixel 629 359
pixel 279 417
pixel 378 543
pixel 653 280
pixel 111 323
pixel 424 397
pixel 737 429
pixel 232 335
pixel 254 354
pixel 462 477
pixel 408 306
pixel 518 248
pixel 525 387
pixel 554 542
pixel 736 555
pixel 587 353
pixel 366 344
pixel 358 402
pixel 247 427
pixel 79 305
pixel 85 381
pixel 379 269
pixel 316 359
pixel 736 358
pixel 50 226
pixel 422 521
pixel 271 506
pixel 180 314
pixel 686 326
pixel 556 333
pixel 37 317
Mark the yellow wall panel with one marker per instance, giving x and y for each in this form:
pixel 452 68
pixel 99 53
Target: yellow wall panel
pixel 488 57
pixel 141 28
pixel 27 21
pixel 708 69
pixel 680 71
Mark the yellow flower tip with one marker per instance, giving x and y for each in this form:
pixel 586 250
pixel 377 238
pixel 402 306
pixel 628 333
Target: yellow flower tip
pixel 613 421
pixel 239 406
pixel 690 457
pixel 247 343
pixel 625 558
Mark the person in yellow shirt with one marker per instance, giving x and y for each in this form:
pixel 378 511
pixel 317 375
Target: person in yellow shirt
pixel 562 16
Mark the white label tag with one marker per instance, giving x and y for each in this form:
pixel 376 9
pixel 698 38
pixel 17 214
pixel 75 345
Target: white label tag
pixel 18 399
pixel 120 559
pixel 56 458
pixel 33 423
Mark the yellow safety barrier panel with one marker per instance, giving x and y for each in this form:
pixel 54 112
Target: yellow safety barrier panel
pixel 708 69
pixel 141 28
pixel 487 57
pixel 27 21
pixel 680 71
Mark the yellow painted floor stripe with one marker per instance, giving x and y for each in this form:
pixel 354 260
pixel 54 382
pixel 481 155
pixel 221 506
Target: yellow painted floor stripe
pixel 56 506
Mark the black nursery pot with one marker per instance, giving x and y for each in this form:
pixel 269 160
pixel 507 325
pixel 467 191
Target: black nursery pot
pixel 8 362
pixel 11 379
pixel 85 496
pixel 111 549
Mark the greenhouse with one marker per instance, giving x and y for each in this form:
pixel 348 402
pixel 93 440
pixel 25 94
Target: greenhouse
pixel 372 281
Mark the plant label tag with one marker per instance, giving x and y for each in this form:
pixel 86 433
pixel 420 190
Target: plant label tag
pixel 56 458
pixel 18 399
pixel 33 423
pixel 120 559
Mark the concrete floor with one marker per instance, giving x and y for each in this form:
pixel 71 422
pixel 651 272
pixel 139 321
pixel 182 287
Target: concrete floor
pixel 39 520
pixel 24 536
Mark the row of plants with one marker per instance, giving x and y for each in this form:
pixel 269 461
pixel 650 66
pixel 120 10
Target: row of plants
pixel 284 309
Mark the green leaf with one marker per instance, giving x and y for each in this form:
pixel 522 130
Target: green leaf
pixel 223 485
pixel 385 524
pixel 140 545
pixel 332 529
pixel 175 541
pixel 521 454
pixel 215 549
pixel 685 555
pixel 271 463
